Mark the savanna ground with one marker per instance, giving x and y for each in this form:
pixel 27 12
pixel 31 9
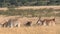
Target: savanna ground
pixel 29 30
pixel 32 29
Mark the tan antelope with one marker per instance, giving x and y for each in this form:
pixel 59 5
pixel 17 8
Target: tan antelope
pixel 46 21
pixel 50 21
pixel 40 22
pixel 28 23
pixel 11 23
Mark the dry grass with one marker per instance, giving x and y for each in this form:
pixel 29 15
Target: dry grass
pixel 38 7
pixel 29 30
pixel 32 7
pixel 58 29
pixel 4 8
pixel 32 29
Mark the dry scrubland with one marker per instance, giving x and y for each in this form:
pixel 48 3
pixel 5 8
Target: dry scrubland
pixel 31 29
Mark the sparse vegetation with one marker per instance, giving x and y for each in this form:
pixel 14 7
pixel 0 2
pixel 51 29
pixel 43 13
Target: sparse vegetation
pixel 15 3
pixel 30 12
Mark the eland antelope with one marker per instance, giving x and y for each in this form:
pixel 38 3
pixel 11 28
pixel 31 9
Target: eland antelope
pixel 50 21
pixel 11 23
pixel 28 23
pixel 40 22
pixel 46 21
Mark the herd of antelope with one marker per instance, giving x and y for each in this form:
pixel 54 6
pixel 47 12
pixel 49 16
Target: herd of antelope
pixel 14 23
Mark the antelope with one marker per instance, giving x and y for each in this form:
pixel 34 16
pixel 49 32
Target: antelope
pixel 50 21
pixel 11 23
pixel 46 21
pixel 28 23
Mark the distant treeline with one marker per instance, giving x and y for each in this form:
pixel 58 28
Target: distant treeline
pixel 15 3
